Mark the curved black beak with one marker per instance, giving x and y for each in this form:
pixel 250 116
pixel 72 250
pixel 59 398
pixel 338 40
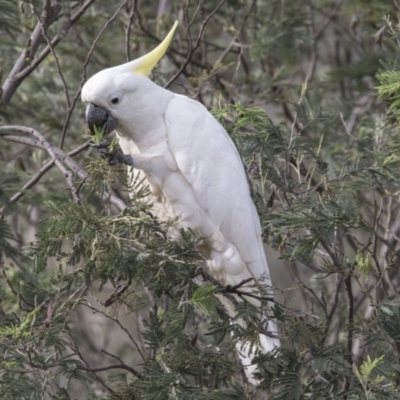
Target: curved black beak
pixel 100 118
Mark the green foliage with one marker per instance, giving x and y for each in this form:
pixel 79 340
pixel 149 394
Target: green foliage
pixel 389 88
pixel 98 302
pixel 364 375
pixel 203 298
pixel 9 16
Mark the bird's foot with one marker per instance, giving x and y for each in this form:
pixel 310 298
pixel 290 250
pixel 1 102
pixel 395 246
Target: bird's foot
pixel 114 157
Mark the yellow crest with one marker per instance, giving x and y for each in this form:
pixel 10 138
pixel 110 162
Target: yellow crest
pixel 145 64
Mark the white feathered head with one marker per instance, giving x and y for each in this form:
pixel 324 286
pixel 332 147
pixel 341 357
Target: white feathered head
pixel 104 92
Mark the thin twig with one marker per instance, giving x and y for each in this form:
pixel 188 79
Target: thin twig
pixel 196 45
pixel 323 306
pixel 127 367
pixel 329 18
pixel 118 292
pixel 335 302
pixel 79 354
pixel 350 308
pixel 121 326
pixel 132 13
pixel 112 366
pixel 84 66
pixel 44 33
pixel 18 294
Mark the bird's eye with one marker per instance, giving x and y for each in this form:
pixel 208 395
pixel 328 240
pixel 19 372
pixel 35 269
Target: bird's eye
pixel 116 98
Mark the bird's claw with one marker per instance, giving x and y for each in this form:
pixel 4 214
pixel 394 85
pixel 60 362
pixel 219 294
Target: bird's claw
pixel 114 157
pixel 101 145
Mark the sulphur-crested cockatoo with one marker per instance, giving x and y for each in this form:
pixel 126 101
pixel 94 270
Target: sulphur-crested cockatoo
pixel 193 170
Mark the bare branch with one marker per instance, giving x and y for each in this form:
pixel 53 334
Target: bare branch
pixel 64 157
pixel 79 354
pixel 128 30
pixel 113 366
pixel 24 66
pixel 23 140
pixel 121 326
pixel 127 367
pixel 49 16
pixel 53 153
pixel 350 321
pixel 335 302
pixel 196 45
pixel 64 82
pixel 117 293
pixel 162 7
pixel 67 174
pixel 88 56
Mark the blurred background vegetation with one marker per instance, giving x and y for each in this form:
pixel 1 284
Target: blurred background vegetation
pixel 97 303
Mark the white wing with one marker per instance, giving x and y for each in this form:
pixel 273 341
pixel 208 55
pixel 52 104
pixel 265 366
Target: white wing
pixel 209 161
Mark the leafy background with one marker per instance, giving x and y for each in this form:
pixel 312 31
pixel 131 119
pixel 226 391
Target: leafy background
pixel 97 303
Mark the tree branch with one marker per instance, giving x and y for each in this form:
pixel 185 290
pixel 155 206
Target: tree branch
pixel 196 45
pixel 49 15
pixel 125 366
pixel 131 15
pixel 55 156
pixel 79 354
pixel 113 366
pixel 23 67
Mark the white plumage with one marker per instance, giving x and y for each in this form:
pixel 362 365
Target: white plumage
pixel 193 169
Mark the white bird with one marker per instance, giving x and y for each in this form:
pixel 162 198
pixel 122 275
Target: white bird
pixel 193 170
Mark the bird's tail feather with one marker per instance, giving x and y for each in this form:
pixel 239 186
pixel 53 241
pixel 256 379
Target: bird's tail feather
pixel 245 350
